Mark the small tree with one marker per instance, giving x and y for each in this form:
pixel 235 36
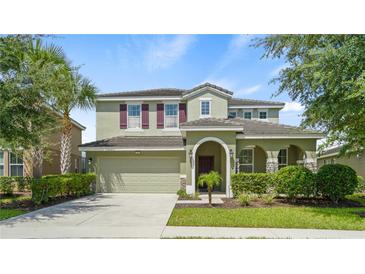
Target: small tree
pixel 211 180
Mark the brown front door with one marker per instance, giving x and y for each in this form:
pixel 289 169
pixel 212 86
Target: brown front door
pixel 206 164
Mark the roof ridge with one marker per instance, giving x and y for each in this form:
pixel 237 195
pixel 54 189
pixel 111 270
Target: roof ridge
pixel 257 100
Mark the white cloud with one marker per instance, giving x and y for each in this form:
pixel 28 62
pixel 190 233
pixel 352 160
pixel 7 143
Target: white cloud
pixel 234 50
pixel 249 90
pixel 293 106
pixel 164 52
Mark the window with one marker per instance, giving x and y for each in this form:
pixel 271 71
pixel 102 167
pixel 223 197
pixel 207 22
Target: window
pixel 283 158
pixel 262 115
pixel 205 108
pixel 134 116
pixel 16 165
pixel 232 114
pixel 247 115
pixel 333 161
pixel 1 163
pixel 171 116
pixel 246 161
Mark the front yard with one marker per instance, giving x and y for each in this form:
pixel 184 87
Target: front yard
pixel 346 218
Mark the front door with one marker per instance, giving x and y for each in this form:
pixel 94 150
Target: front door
pixel 206 164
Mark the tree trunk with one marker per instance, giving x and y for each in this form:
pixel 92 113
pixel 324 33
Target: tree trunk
pixel 66 139
pixel 37 162
pixel 28 162
pixel 210 195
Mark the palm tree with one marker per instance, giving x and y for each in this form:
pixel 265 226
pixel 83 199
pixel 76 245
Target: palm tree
pixel 75 91
pixel 211 180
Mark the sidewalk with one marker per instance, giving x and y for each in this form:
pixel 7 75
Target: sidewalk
pixel 269 233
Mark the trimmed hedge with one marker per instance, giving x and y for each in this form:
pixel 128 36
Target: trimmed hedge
pixel 52 186
pixel 258 183
pixel 295 181
pixel 335 181
pixel 14 183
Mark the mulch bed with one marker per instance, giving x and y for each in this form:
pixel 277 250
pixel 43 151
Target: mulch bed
pixel 29 205
pixel 279 202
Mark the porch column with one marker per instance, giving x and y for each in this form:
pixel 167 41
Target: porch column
pixel 272 164
pixel 310 160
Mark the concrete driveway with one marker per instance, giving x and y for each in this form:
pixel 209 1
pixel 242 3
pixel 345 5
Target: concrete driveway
pixel 99 216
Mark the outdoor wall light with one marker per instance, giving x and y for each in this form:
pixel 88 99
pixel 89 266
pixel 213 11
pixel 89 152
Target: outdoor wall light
pixel 231 153
pixel 90 161
pixel 190 154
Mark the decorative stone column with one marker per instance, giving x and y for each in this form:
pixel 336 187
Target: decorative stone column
pixel 272 164
pixel 310 161
pixel 183 182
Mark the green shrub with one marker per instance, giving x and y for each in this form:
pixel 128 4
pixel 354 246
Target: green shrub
pixel 360 185
pixel 182 194
pixel 335 181
pixel 258 183
pixel 52 186
pixel 7 185
pixel 246 198
pixel 294 181
pixel 268 198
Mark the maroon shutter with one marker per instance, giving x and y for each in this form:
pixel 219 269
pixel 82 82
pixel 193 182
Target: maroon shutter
pixel 160 116
pixel 182 113
pixel 123 115
pixel 145 109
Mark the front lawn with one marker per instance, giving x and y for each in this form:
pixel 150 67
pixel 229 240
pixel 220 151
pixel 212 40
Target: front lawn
pixel 275 217
pixel 8 213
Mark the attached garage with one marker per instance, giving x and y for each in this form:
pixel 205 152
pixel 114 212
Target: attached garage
pixel 139 174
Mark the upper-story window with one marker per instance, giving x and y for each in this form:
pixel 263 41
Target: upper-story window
pixel 232 114
pixel 16 165
pixel 171 116
pixel 247 115
pixel 205 108
pixel 1 163
pixel 263 114
pixel 134 116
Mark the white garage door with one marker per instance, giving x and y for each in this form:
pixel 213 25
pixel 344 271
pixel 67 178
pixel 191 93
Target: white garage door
pixel 140 174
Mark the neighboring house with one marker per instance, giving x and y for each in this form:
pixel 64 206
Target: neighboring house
pixel 331 156
pixel 12 165
pixel 160 140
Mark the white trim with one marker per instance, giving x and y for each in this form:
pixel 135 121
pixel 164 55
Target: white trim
pixel 228 164
pixel 130 149
pixel 205 99
pixel 252 107
pixel 247 111
pixel 210 109
pixel 327 155
pixel 207 88
pixel 164 117
pixel 253 158
pixel 242 136
pixel 140 117
pixel 213 129
pixel 138 99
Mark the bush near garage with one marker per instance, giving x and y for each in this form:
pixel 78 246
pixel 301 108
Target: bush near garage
pixel 335 181
pixel 67 185
pixel 295 181
pixel 257 183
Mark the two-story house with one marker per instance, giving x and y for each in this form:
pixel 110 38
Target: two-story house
pixel 160 140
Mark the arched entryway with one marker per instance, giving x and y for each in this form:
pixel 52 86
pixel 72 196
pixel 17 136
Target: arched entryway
pixel 210 150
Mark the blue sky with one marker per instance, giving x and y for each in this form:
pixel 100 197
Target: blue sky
pixel 129 62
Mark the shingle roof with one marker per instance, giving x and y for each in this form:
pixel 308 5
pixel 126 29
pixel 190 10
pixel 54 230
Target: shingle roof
pixel 333 150
pixel 139 142
pixel 251 102
pixel 210 122
pixel 261 128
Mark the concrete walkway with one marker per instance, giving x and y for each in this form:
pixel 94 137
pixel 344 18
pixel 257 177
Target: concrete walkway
pixel 99 216
pixel 269 233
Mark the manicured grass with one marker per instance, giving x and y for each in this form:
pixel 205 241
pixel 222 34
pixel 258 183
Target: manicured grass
pixel 8 213
pixel 11 199
pixel 279 217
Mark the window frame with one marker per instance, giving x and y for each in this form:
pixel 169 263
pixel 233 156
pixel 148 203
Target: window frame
pixel 17 164
pixel 286 157
pixel 263 110
pixel 253 159
pixel 209 101
pixel 245 111
pixel 177 116
pixel 140 116
pixel 235 114
pixel 2 164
